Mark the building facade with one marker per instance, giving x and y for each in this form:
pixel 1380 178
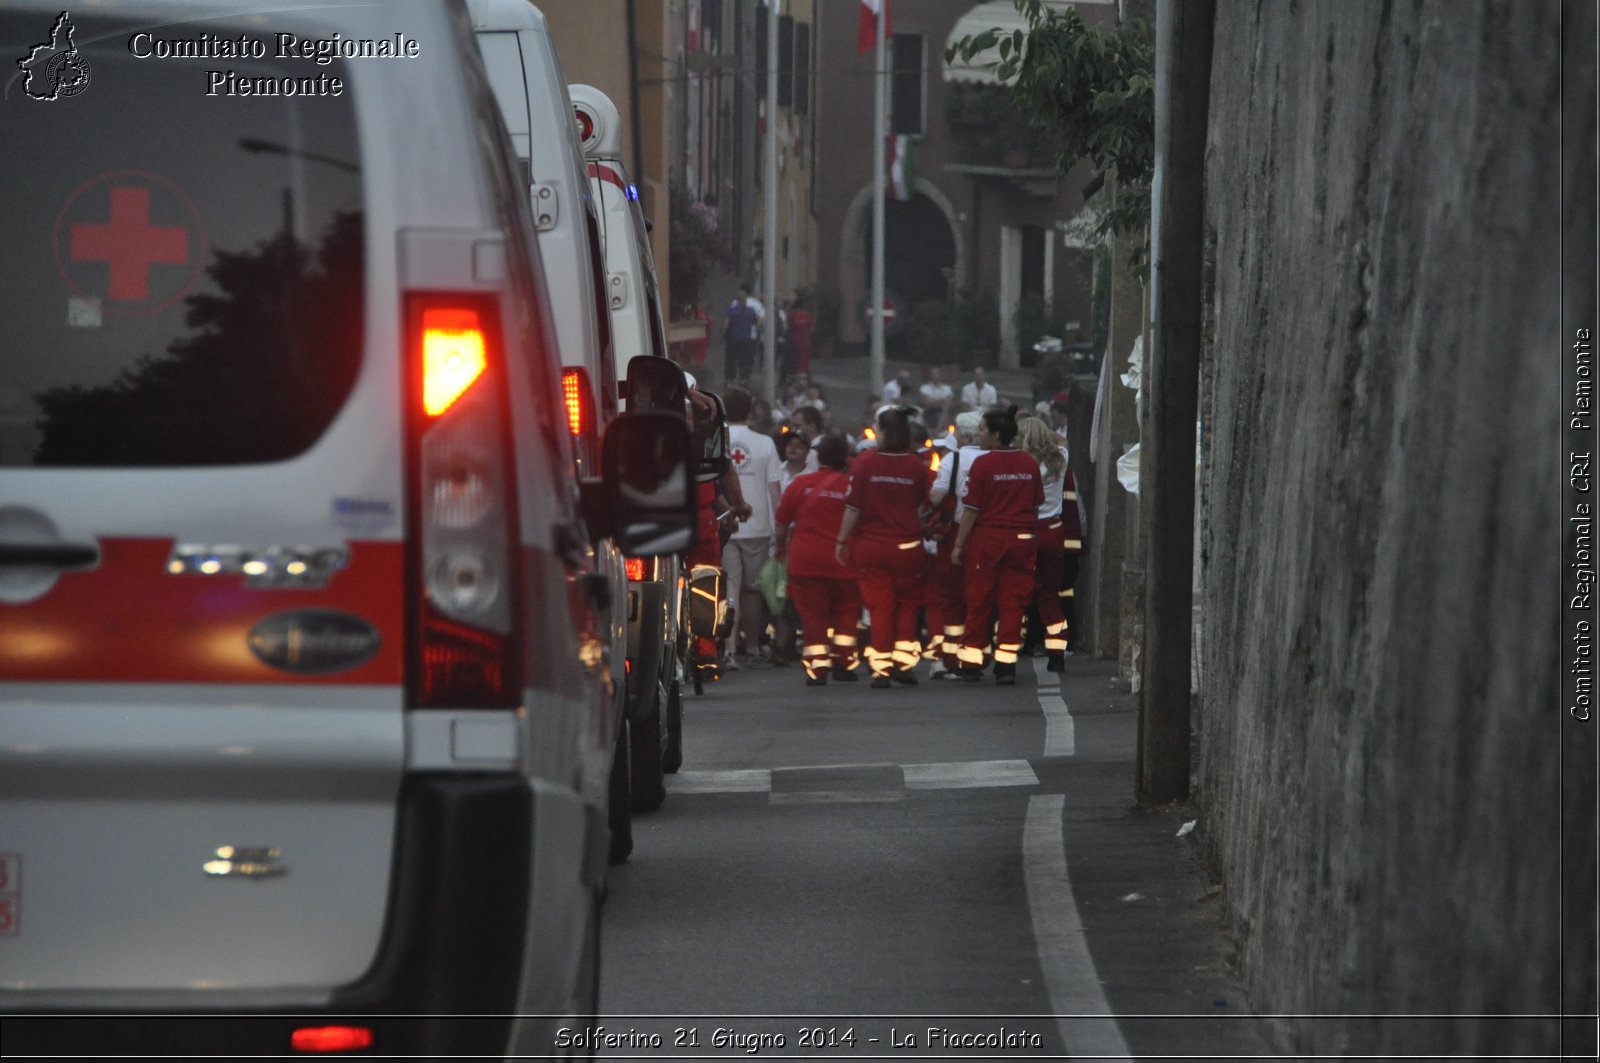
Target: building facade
pixel 985 215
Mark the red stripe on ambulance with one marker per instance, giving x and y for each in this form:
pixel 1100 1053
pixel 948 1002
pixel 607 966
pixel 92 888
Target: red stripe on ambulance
pixel 130 620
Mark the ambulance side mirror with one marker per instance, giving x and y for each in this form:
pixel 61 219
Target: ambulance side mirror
pixel 656 385
pixel 648 488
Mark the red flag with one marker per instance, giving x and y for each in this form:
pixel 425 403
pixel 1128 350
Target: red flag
pixel 867 28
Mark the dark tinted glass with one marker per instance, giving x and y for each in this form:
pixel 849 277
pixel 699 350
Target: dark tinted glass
pixel 905 97
pixel 183 272
pixel 785 61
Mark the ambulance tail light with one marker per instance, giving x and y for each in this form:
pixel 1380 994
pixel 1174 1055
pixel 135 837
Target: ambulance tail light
pixel 463 584
pixel 330 1039
pixel 639 569
pixel 578 399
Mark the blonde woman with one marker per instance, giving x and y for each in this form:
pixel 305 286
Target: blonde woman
pixel 1036 440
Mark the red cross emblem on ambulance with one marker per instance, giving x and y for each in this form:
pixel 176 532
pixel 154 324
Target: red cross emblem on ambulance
pixel 131 241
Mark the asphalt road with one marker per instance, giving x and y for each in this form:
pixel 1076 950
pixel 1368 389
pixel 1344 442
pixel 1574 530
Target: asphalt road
pixel 854 873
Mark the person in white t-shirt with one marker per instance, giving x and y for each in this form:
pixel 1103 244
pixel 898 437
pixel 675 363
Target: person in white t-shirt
pixel 949 585
pixel 980 394
pixel 755 459
pixel 808 421
pixel 796 449
pixel 936 392
pixel 899 389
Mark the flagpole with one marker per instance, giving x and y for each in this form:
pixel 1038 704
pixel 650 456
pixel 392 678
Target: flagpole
pixel 769 244
pixel 880 130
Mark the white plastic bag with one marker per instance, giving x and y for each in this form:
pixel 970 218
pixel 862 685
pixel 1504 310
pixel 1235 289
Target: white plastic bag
pixel 1128 469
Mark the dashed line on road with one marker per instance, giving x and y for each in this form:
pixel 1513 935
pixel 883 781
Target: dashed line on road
pixel 1060 733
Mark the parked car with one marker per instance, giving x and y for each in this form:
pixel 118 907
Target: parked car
pixel 306 726
pixel 655 672
pixel 525 73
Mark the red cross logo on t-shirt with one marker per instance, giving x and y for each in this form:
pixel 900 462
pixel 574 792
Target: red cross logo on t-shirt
pixel 130 241
pixel 739 456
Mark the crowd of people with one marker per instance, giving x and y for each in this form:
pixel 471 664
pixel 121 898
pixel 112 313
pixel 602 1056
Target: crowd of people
pixel 915 539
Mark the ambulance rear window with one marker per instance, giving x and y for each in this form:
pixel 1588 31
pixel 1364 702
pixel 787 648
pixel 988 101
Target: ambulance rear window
pixel 183 264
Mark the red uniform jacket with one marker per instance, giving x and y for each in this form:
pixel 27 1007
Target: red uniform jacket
pixel 889 489
pixel 814 504
pixel 1005 488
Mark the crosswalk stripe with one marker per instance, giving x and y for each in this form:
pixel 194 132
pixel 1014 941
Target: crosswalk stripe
pixel 968 775
pixel 738 781
pixel 953 775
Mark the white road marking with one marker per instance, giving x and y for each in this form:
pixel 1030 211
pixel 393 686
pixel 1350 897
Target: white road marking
pixel 954 775
pixel 969 775
pixel 837 797
pixel 1069 973
pixel 1060 734
pixel 739 781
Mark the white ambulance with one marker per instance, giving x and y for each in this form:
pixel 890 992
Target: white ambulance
pixel 306 724
pixel 525 75
pixel 655 639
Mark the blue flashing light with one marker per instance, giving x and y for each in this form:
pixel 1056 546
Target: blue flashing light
pixel 633 191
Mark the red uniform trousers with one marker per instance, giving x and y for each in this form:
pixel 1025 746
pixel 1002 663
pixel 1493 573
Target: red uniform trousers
pixel 707 550
pixel 891 587
pixel 830 613
pixel 1000 567
pixel 1047 586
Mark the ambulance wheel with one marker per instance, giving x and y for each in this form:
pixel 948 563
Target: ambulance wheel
pixel 644 752
pixel 619 813
pixel 672 759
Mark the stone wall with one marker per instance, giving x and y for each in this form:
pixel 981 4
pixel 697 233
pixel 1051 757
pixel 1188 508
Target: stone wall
pixel 1381 513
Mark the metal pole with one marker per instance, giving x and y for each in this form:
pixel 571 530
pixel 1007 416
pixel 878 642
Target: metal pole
pixel 880 133
pixel 1172 374
pixel 769 245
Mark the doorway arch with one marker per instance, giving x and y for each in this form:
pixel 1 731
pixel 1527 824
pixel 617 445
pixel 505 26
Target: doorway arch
pixel 915 260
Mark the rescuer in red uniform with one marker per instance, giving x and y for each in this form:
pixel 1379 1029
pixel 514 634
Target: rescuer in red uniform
pixel 823 590
pixel 995 544
pixel 881 538
pixel 717 498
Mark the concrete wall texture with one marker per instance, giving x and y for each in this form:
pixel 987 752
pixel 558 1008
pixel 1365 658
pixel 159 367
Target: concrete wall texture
pixel 1380 710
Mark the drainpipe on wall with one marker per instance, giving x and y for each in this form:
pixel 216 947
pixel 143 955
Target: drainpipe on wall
pixel 633 92
pixel 1183 87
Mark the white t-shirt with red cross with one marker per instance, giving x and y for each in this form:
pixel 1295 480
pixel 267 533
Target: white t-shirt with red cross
pixel 755 459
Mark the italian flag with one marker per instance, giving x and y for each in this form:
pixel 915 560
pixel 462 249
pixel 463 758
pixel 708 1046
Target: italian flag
pixel 867 28
pixel 902 166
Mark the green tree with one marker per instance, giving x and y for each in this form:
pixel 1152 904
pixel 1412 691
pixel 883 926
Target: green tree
pixel 1093 88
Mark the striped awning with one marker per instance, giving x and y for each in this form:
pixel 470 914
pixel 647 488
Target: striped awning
pixel 993 14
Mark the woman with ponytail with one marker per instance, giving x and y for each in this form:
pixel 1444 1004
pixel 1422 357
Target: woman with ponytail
pixel 1036 440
